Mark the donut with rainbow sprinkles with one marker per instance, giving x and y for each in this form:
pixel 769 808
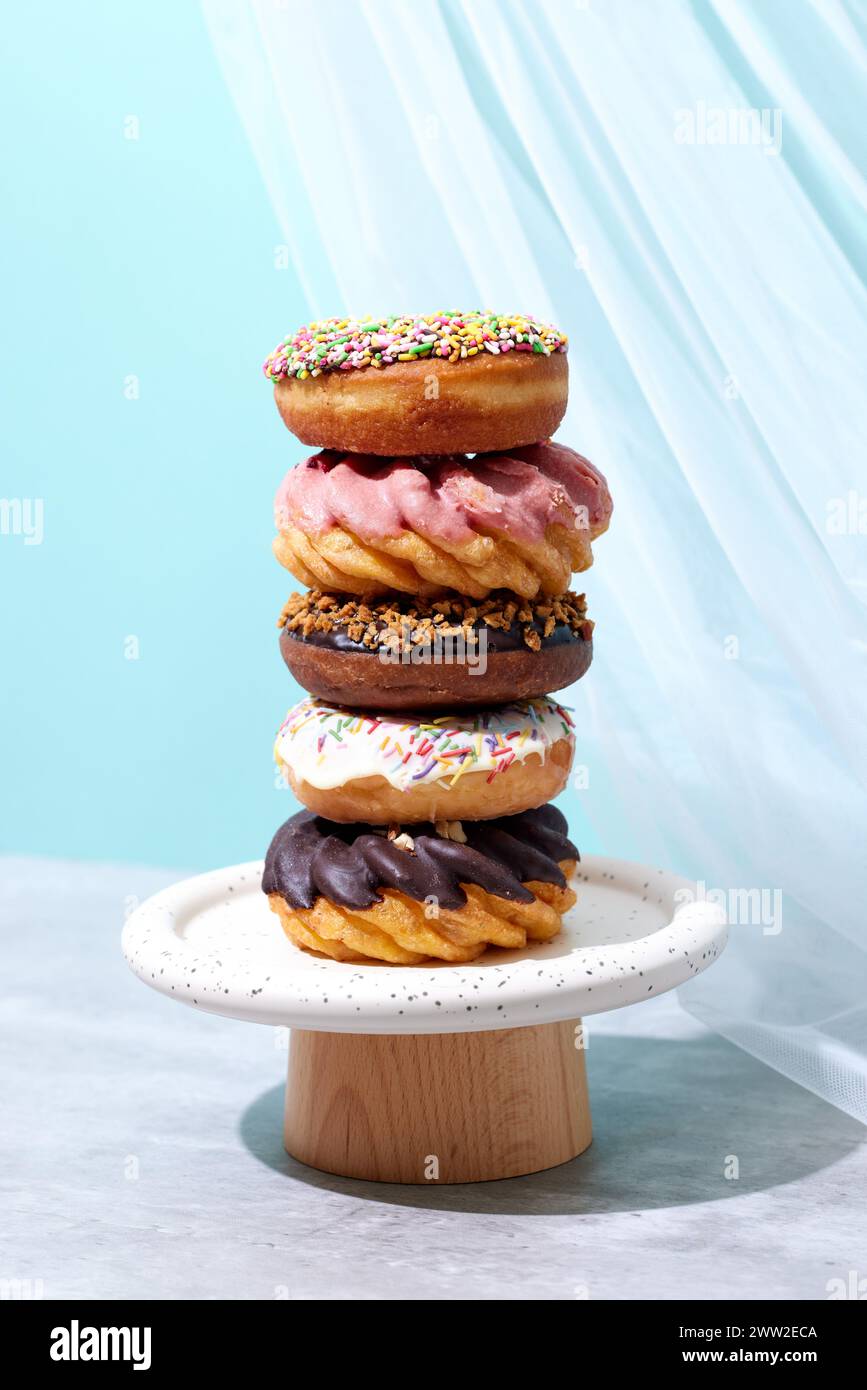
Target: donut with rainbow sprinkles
pixel 387 768
pixel 441 383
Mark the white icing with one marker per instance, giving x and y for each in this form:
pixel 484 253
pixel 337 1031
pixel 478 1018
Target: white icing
pixel 328 747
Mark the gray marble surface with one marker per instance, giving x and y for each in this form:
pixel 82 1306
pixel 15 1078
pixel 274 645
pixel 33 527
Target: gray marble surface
pixel 141 1153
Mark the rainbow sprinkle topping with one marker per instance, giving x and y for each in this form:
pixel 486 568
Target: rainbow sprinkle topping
pixel 328 747
pixel 340 344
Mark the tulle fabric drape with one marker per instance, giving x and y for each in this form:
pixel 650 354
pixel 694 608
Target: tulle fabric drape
pixel 681 186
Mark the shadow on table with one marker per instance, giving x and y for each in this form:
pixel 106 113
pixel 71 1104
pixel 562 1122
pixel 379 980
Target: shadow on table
pixel 667 1116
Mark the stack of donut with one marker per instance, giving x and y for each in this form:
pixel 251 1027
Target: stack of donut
pixel 436 529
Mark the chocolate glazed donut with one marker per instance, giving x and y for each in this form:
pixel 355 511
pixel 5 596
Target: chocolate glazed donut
pixel 310 857
pixel 422 656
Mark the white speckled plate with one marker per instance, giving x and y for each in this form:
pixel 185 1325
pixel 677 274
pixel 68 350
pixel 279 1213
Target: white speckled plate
pixel 213 942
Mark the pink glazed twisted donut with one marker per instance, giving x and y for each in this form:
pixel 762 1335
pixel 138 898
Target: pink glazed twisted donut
pixel 521 521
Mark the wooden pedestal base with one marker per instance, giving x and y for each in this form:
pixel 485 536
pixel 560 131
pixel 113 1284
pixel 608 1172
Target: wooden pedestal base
pixel 437 1107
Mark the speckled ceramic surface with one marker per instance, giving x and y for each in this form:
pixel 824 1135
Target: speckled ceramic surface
pixel 213 942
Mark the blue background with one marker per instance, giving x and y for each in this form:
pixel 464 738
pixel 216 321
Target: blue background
pixel 152 257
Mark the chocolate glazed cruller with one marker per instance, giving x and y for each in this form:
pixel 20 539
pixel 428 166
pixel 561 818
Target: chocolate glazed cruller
pixel 311 857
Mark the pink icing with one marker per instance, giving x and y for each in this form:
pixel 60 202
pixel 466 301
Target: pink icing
pixel 450 499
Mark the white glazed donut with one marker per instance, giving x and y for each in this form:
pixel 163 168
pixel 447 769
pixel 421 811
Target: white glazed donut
pixel 386 768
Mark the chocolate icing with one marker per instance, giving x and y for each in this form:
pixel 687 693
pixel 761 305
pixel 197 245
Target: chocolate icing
pixel 496 639
pixel 311 857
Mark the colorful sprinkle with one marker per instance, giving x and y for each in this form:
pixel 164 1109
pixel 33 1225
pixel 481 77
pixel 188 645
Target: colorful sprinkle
pixel 340 344
pixel 489 741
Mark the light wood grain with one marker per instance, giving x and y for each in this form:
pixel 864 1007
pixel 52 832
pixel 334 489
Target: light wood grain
pixel 449 1107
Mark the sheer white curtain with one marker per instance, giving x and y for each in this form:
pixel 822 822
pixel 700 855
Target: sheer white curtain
pixel 681 186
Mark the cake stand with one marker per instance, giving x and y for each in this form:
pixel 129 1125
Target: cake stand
pixel 435 1072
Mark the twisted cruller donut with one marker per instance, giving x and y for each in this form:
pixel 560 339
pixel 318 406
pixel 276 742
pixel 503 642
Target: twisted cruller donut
pixel 422 891
pixel 521 521
pixel 466 765
pixel 435 384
